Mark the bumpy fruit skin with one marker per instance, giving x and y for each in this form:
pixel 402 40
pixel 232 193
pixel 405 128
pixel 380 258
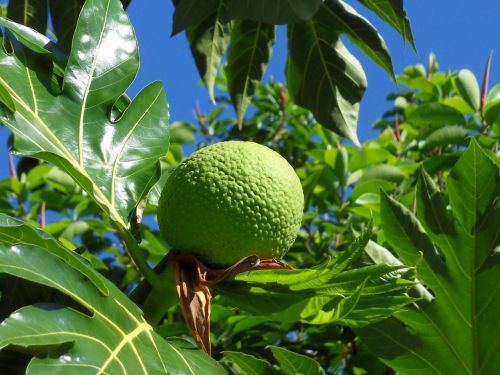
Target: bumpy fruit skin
pixel 230 200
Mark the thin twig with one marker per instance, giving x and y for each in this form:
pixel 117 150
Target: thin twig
pixel 43 221
pixel 12 167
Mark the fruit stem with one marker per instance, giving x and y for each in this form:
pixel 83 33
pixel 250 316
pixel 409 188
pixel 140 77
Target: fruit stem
pixel 155 301
pixel 136 254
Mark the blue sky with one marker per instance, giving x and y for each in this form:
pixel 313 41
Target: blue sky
pixel 460 32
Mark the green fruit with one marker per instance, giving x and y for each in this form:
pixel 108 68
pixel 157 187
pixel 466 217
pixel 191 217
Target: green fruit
pixel 231 200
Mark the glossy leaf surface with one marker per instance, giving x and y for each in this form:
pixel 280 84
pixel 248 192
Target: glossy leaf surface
pixel 114 158
pixel 109 335
pixel 14 231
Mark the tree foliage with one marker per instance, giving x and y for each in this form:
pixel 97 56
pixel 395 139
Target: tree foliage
pixel 396 259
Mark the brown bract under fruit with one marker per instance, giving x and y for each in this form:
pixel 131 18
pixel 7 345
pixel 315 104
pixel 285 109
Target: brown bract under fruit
pixel 193 278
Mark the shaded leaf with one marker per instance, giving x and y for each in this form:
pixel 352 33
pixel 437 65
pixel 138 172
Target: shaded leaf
pixel 360 32
pixel 208 40
pixel 31 13
pixel 392 12
pixel 274 11
pixel 6 99
pixel 64 15
pixel 435 114
pixel 249 53
pixel 245 364
pixel 323 76
pixel 292 363
pixel 191 12
pixel 447 135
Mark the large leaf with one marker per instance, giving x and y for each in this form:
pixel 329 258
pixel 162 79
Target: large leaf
pixel 14 231
pixel 112 155
pixel 361 32
pixel 190 12
pixel 323 76
pixel 64 15
pixel 274 11
pixel 109 335
pixel 33 40
pixel 324 294
pixel 31 13
pixel 208 40
pixel 249 53
pixel 456 254
pixel 393 13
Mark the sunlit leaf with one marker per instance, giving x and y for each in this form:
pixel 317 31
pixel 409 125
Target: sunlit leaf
pixel 454 246
pixel 114 160
pixel 435 114
pixel 468 87
pixel 324 294
pixel 109 335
